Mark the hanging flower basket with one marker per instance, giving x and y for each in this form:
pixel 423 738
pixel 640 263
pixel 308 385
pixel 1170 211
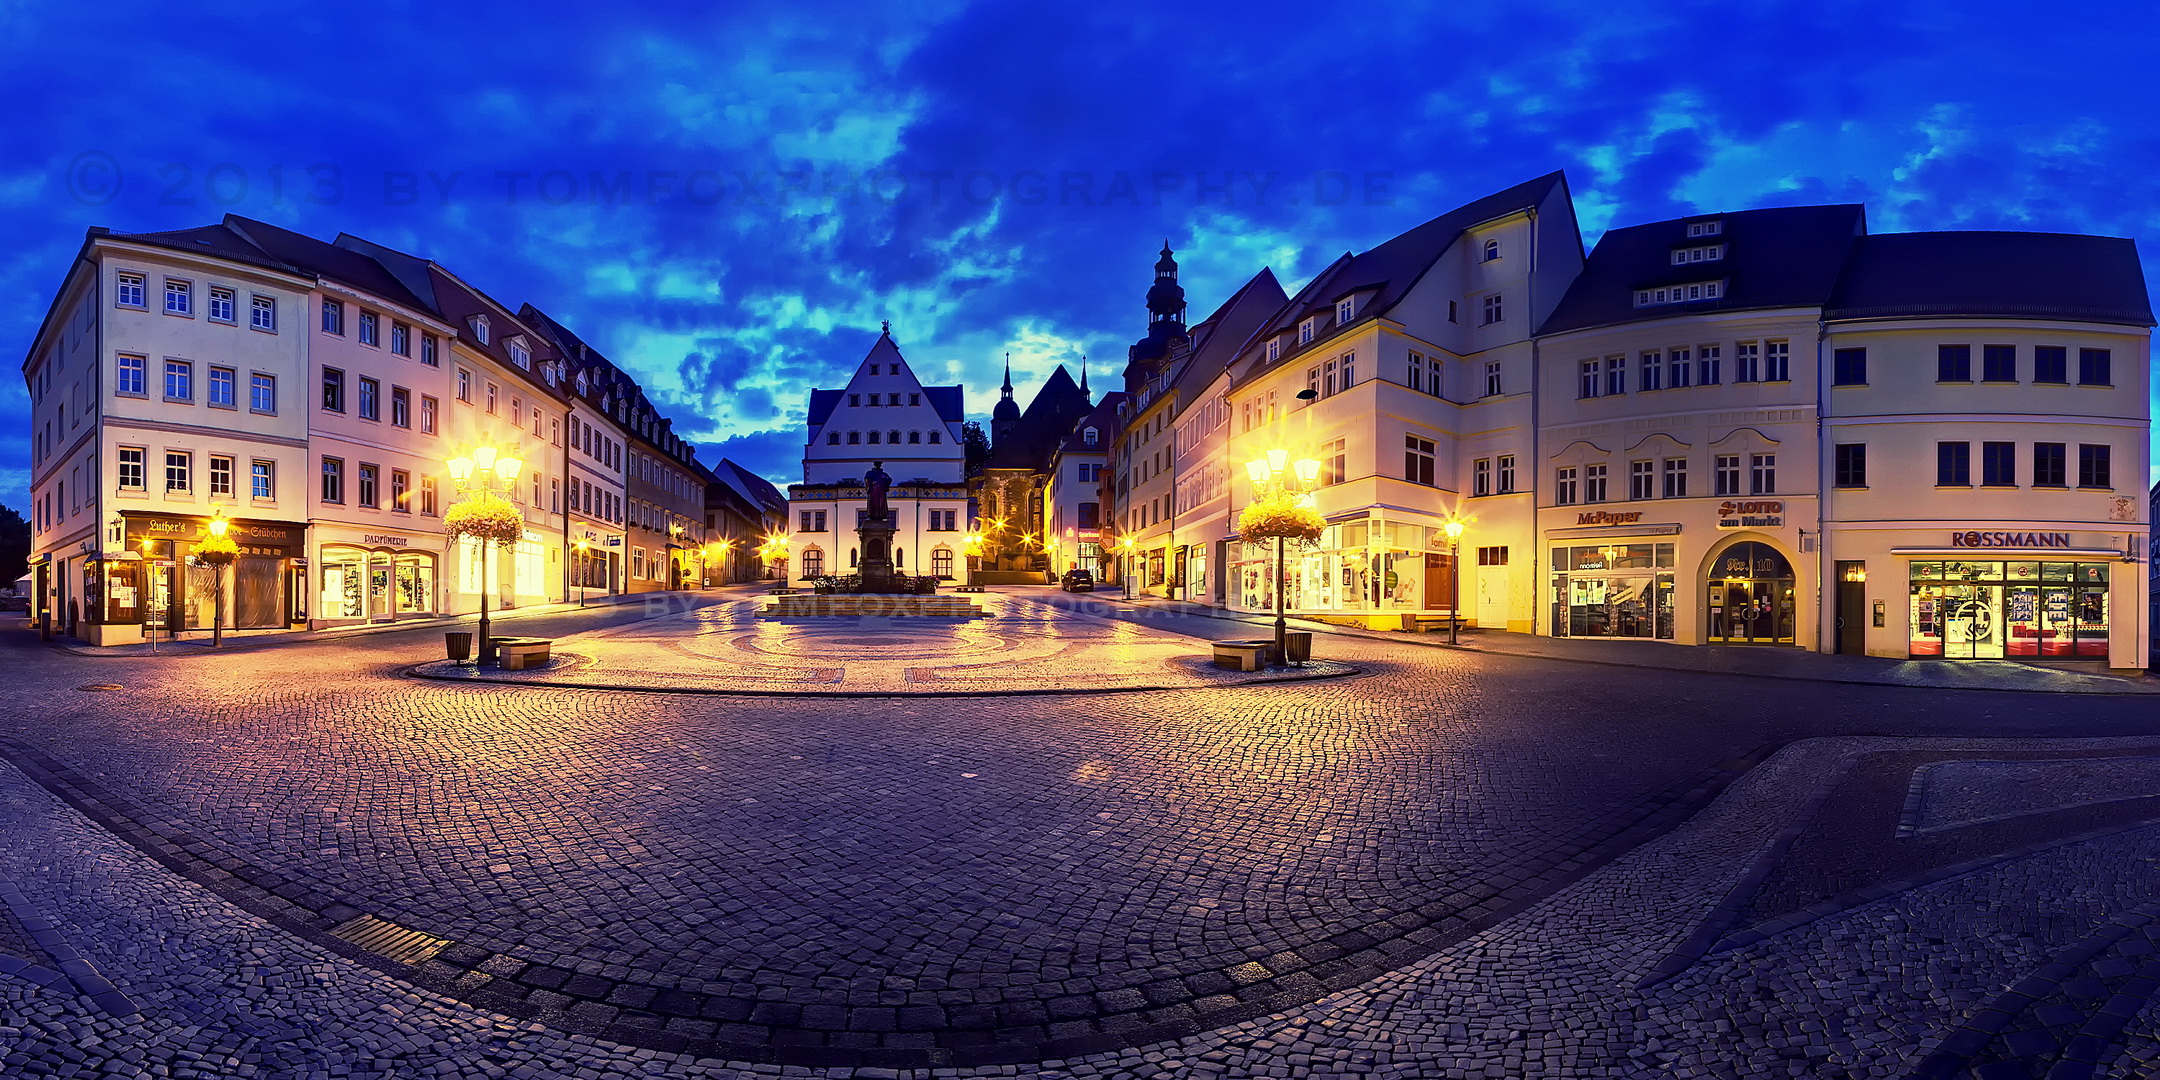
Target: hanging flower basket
pixel 216 550
pixel 486 517
pixel 1290 517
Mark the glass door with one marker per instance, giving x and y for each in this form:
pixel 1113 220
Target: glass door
pixel 1972 622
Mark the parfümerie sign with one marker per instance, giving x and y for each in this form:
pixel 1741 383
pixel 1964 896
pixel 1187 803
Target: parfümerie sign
pixel 2009 540
pixel 1756 514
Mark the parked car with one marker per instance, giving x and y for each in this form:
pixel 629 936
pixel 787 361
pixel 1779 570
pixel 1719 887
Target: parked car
pixel 1078 581
pixel 12 602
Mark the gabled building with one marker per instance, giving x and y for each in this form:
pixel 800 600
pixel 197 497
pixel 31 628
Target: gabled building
pixel 1406 371
pixel 1072 491
pixel 742 511
pixel 594 461
pixel 883 415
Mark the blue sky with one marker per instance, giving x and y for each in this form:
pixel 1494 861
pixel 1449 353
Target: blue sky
pixel 728 199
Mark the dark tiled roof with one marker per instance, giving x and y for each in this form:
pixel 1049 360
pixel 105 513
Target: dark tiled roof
pixel 458 302
pixel 344 266
pixel 1050 416
pixel 1218 339
pixel 758 490
pixel 218 240
pixel 1104 418
pixel 947 400
pixel 821 405
pixel 1999 274
pixel 1774 258
pixel 1395 266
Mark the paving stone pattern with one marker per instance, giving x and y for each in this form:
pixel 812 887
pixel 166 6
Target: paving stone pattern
pixel 1106 862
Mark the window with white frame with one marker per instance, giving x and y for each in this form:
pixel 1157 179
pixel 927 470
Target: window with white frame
pixel 179 471
pixel 224 388
pixel 262 313
pixel 478 324
pixel 262 480
pixel 1494 311
pixel 179 380
pixel 262 393
pixel 1274 349
pixel 221 476
pixel 1777 359
pixel 1679 367
pixel 1651 374
pixel 1676 478
pixel 1305 331
pixel 1725 476
pixel 1698 253
pixel 1343 308
pixel 131 379
pixel 333 317
pixel 1642 480
pixel 1481 476
pixel 1762 474
pixel 1680 294
pixel 1492 377
pixel 129 293
pixel 1492 250
pixel 1706 364
pixel 1594 483
pixel 1615 376
pixel 1507 474
pixel 400 339
pixel 1747 361
pixel 1704 228
pixel 519 354
pixel 132 468
pixel 1564 486
pixel 179 297
pixel 1418 460
pixel 221 304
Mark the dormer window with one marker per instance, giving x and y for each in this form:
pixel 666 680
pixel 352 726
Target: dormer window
pixel 1274 349
pixel 1701 253
pixel 519 354
pixel 1090 436
pixel 1492 250
pixel 479 325
pixel 1705 228
pixel 1305 332
pixel 1343 308
pixel 581 382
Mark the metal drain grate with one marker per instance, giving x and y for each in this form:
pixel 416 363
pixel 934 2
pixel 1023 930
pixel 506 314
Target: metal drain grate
pixel 389 940
pixel 101 686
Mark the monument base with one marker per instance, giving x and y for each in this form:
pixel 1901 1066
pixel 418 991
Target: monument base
pixel 869 606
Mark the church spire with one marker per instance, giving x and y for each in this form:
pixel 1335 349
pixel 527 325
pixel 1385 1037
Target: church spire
pixel 1006 391
pixel 1083 377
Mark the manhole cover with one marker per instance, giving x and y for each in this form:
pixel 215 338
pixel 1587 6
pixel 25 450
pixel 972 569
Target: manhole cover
pixel 101 686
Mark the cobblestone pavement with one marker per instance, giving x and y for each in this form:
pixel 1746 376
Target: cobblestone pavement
pixel 293 862
pixel 1021 645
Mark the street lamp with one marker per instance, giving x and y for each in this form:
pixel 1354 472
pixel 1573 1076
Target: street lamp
pixel 216 551
pixel 583 567
pixel 1274 472
pixel 1453 529
pixel 480 476
pixel 717 551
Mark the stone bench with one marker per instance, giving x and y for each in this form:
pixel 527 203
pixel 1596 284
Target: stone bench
pixel 1242 655
pixel 518 654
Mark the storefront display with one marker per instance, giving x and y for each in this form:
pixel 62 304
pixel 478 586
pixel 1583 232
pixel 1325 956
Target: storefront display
pixel 2040 610
pixel 1356 567
pixel 1751 598
pixel 359 584
pixel 1613 590
pixel 162 582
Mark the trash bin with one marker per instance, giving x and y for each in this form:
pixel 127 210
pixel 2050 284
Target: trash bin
pixel 1297 646
pixel 459 643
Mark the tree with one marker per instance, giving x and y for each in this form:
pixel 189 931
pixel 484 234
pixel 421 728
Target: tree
pixel 14 546
pixel 976 446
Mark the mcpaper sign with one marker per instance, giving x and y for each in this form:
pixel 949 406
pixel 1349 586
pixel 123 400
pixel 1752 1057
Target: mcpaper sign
pixel 1602 517
pixel 1757 514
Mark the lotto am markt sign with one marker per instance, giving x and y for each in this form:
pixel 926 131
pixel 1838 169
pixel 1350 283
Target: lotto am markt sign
pixel 1756 514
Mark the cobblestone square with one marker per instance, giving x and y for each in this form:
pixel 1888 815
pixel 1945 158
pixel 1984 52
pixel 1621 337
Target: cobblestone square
pixel 1102 859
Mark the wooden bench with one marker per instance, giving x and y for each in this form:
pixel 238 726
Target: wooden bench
pixel 518 654
pixel 1429 623
pixel 1242 655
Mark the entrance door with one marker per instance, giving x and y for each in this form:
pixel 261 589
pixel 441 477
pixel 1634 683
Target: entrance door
pixel 1750 595
pixel 1439 581
pixel 1493 596
pixel 1851 608
pixel 1972 620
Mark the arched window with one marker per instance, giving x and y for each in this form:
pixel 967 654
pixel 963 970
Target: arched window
pixel 1090 436
pixel 899 556
pixel 1492 250
pixel 813 562
pixel 914 436
pixel 941 562
pixel 935 439
pixel 854 558
pixel 833 439
pixel 894 438
pixel 873 438
pixel 854 437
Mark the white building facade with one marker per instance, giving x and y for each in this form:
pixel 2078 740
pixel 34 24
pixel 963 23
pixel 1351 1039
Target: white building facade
pixel 885 415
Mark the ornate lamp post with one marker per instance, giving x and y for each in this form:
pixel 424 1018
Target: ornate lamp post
pixel 216 551
pixel 1453 529
pixel 772 550
pixel 485 515
pixel 1283 509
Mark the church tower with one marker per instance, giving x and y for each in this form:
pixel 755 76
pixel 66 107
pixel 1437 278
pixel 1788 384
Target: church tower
pixel 1005 415
pixel 1166 322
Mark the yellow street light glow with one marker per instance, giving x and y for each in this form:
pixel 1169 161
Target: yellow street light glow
pixel 484 456
pixel 218 524
pixel 1453 529
pixel 461 469
pixel 1308 470
pixel 1277 459
pixel 507 467
pixel 1258 470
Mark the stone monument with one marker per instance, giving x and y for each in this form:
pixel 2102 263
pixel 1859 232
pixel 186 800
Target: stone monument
pixel 876 533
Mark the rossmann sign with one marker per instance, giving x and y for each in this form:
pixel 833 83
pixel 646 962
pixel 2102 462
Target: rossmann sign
pixel 2010 540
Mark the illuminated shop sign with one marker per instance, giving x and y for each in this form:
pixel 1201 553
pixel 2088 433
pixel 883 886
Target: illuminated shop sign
pixel 1755 514
pixel 2009 540
pixel 1602 517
